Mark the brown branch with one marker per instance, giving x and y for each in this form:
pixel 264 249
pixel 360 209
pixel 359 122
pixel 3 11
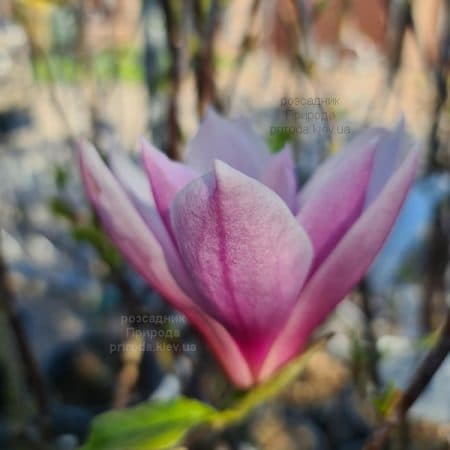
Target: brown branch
pixel 426 371
pixel 206 25
pixel 419 382
pixel 174 42
pixel 440 75
pixel 400 22
pixel 244 50
pixel 33 374
pixel 370 338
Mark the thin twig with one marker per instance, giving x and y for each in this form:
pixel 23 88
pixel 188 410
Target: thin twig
pixel 34 377
pixel 244 50
pixel 206 25
pixel 419 382
pixel 427 369
pixel 372 351
pixel 440 81
pixel 175 43
pixel 400 21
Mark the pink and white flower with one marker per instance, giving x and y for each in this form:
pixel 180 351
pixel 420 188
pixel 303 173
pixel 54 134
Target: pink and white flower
pixel 229 241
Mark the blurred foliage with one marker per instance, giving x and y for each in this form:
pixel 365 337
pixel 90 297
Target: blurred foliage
pixel 123 64
pixel 428 341
pixel 277 139
pixel 386 401
pixel 97 238
pixel 82 229
pixel 46 2
pixel 60 208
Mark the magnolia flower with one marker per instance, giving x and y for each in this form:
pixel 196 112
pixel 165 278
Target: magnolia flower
pixel 229 241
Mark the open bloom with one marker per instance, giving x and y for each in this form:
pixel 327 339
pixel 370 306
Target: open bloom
pixel 227 239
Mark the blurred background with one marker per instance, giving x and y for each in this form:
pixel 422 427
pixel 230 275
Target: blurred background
pixel 114 70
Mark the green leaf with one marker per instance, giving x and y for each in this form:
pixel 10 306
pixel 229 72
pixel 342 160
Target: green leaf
pixel 149 426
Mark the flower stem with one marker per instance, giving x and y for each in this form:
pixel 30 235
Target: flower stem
pixel 266 391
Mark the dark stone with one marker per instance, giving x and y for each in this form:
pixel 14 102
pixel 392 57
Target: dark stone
pixel 69 419
pixel 343 423
pixel 84 373
pixel 353 445
pixel 13 120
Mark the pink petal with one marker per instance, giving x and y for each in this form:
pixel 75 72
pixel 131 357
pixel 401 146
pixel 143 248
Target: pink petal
pixel 246 255
pixel 123 223
pixel 344 267
pixel 223 345
pixel 166 178
pixel 136 185
pixel 129 232
pixel 132 178
pixel 138 189
pixel 233 142
pixel 387 159
pixel 279 175
pixel 334 198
